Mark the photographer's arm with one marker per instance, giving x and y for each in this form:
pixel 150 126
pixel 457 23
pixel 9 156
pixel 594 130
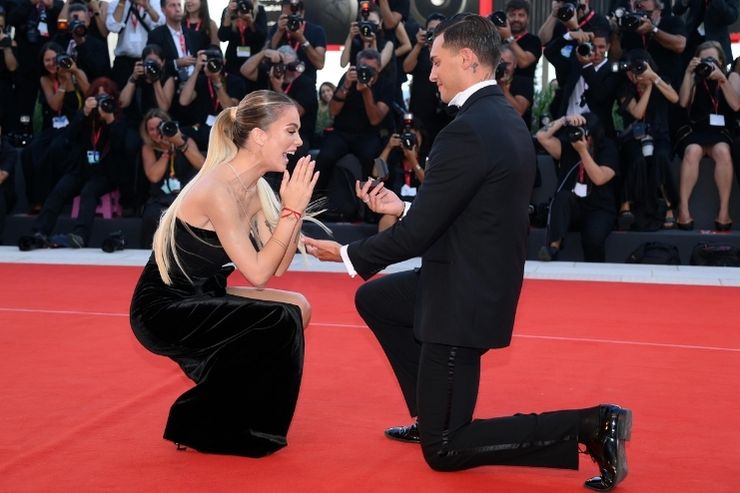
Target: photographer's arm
pixel 280 28
pixel 154 168
pixel 344 58
pixel 164 93
pixel 337 101
pixel 386 55
pixel 686 92
pixel 599 174
pixel 390 17
pixel 188 148
pixel 188 92
pixel 404 43
pixel 11 63
pixel 55 99
pixel 99 10
pixel 547 139
pixel 731 95
pixel 673 42
pixel 224 98
pixel 250 68
pixel 548 27
pixel 376 111
pixel 638 107
pixel 409 63
pixel 523 57
pixel 114 19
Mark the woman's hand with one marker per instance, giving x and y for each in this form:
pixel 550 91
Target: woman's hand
pixel 296 189
pixel 692 65
pixel 90 104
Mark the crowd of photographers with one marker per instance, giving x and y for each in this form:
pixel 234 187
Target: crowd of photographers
pixel 633 88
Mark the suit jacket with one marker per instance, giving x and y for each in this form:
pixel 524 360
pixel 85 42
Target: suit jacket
pixel 469 223
pixel 161 36
pixel 719 16
pixel 602 83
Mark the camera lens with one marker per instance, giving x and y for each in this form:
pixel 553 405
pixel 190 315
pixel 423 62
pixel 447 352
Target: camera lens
pixel 566 12
pixel 498 18
pixel 168 128
pixel 585 49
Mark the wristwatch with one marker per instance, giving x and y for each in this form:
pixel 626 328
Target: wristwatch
pixel 306 44
pixel 654 30
pixel 509 40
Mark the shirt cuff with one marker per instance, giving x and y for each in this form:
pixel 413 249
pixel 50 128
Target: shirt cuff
pixel 406 207
pixel 347 262
pixel 567 36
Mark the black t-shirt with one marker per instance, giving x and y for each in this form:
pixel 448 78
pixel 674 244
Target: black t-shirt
pixel 315 35
pixel 709 99
pixel 523 86
pixel 143 99
pixel 303 91
pixel 206 100
pixel 531 43
pixel 599 197
pixel 656 115
pixel 669 62
pixel 353 116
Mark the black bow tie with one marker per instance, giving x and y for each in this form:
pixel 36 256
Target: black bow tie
pixel 451 110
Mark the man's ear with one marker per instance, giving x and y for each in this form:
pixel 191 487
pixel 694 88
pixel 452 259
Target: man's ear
pixel 468 58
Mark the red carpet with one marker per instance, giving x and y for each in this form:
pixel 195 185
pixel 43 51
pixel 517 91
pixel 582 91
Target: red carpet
pixel 83 405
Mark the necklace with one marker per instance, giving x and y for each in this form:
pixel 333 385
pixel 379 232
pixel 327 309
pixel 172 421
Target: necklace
pixel 246 189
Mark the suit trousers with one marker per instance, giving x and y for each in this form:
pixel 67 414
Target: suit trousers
pixel 440 386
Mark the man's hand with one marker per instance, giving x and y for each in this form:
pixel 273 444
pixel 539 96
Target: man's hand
pixel 379 200
pixel 324 250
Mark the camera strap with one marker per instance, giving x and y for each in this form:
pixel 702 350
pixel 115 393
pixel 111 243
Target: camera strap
pixel 214 96
pixel 588 18
pixel 138 18
pixel 713 98
pixel 95 136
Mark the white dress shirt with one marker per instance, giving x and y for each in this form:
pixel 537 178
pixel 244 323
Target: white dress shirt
pixel 132 36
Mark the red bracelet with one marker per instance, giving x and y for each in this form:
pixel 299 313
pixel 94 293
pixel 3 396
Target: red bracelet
pixel 287 212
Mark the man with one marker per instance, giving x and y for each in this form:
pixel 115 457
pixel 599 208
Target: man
pixel 707 20
pixel 526 46
pixel 517 90
pixel 306 38
pixel 663 36
pixel 359 107
pixel 179 44
pixel 132 20
pixel 585 19
pixel 89 52
pixel 586 80
pixel 436 322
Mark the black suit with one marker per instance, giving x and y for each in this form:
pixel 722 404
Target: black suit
pixel 469 223
pixel 161 36
pixel 717 18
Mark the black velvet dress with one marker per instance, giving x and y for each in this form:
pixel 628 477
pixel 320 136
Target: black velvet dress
pixel 246 356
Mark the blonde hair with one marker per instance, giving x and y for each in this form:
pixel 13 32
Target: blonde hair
pixel 229 133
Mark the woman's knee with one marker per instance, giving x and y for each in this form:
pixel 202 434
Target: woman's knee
pixel 721 154
pixel 693 154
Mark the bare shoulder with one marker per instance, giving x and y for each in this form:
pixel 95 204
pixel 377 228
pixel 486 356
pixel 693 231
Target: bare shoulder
pixel 207 197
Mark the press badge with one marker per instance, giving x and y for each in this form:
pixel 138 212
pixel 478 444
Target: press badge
pixel 566 51
pixel 43 29
pixel 171 185
pixel 717 120
pixel 211 120
pixel 700 29
pixel 408 191
pixel 243 51
pixel 59 121
pixel 581 189
pixel 93 157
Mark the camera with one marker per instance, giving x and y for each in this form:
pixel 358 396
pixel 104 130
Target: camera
pixel 705 67
pixel 365 73
pixel 152 70
pixel 585 49
pixel 24 135
pixel 408 137
pixel 637 66
pixel 566 12
pixel 498 18
pixel 501 70
pixel 114 241
pixel 64 61
pixel 575 133
pixel 168 128
pixel 214 60
pixel 294 19
pixel 430 36
pixel 367 28
pixel 7 41
pixel 244 7
pixel 106 103
pixel 77 28
pixel 627 20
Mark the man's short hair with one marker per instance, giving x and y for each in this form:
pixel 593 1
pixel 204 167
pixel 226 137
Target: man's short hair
pixel 369 54
pixel 474 32
pixel 76 7
pixel 517 5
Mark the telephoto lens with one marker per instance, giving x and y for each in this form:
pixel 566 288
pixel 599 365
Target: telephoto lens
pixel 64 61
pixel 168 128
pixel 566 12
pixel 365 73
pixel 498 18
pixel 585 49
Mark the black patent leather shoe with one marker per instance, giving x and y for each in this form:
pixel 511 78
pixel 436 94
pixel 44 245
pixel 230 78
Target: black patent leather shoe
pixel 607 447
pixel 408 434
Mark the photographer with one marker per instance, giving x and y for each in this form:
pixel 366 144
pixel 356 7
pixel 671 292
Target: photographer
pixel 97 11
pixel 207 92
pixel 132 20
pixel 403 158
pixel 281 71
pixel 307 39
pixel 707 20
pixel 179 44
pixel 35 23
pixel 8 66
pixel 645 100
pixel 197 18
pixel 425 103
pixel 8 156
pixel 244 28
pixel 586 82
pixel 712 102
pixel 90 52
pixel 367 33
pixel 663 36
pixel 170 161
pixel 517 91
pixel 62 88
pixel 360 105
pixel 569 16
pixel 586 197
pixel 149 86
pixel 95 138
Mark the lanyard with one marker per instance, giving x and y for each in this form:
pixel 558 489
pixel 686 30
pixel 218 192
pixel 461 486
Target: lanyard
pixel 713 98
pixel 517 38
pixel 214 96
pixel 95 136
pixel 588 18
pixel 190 26
pixel 581 172
pixel 241 25
pixel 287 89
pixel 181 37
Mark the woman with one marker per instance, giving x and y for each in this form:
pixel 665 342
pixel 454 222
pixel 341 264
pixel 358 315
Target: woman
pixel 95 137
pixel 61 96
pixel 169 162
pixel 245 31
pixel 356 42
pixel 154 85
pixel 587 163
pixel 645 101
pixel 711 102
pixel 242 346
pixel 198 19
pixel 324 119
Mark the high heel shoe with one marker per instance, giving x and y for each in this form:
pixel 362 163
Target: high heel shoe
pixel 685 226
pixel 718 226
